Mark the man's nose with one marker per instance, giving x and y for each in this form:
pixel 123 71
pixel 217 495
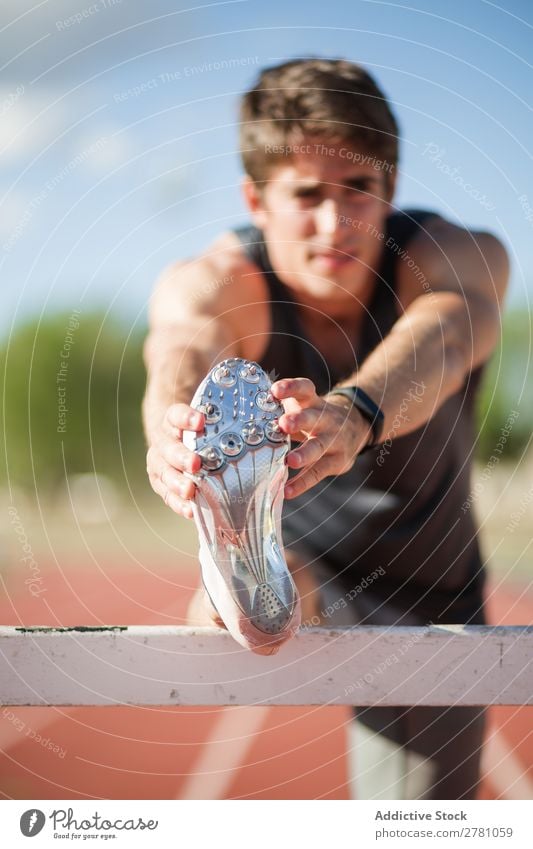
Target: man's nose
pixel 327 216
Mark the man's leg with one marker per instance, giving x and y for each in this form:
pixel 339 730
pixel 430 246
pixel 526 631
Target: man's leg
pixel 416 753
pixel 397 752
pixel 412 752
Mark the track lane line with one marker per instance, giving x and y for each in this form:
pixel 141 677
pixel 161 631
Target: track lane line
pixel 224 752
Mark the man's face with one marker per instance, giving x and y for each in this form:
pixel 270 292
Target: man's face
pixel 322 214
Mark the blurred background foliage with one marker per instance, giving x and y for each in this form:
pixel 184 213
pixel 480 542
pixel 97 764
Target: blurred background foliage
pixel 508 386
pixel 105 385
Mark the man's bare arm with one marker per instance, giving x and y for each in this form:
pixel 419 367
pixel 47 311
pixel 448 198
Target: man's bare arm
pixel 449 326
pixel 187 335
pixel 452 298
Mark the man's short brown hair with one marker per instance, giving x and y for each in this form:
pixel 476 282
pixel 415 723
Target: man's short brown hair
pixel 327 99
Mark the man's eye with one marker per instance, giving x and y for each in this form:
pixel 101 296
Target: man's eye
pixel 306 194
pixel 361 185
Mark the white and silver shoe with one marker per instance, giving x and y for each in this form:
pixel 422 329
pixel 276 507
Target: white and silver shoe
pixel 237 507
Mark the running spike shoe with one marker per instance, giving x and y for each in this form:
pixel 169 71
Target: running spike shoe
pixel 237 507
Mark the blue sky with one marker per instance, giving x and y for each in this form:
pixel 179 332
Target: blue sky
pixel 119 140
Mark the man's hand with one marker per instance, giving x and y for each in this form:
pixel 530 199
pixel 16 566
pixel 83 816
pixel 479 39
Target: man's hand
pixel 168 459
pixel 331 432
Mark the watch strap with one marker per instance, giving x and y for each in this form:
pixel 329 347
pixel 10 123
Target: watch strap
pixel 368 409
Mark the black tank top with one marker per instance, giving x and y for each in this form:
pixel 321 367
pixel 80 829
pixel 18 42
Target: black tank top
pixel 402 510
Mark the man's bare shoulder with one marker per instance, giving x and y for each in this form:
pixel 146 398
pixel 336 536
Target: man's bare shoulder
pixel 444 256
pixel 209 284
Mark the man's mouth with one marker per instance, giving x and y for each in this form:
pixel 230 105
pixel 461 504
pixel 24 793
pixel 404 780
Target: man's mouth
pixel 331 260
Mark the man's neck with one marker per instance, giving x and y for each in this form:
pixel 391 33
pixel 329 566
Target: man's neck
pixel 345 311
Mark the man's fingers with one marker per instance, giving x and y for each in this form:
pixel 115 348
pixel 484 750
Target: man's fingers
pixel 301 388
pixel 168 458
pixel 176 482
pixel 172 455
pixel 309 452
pixel 180 457
pixel 183 417
pixel 187 488
pixel 179 505
pixel 165 477
pixel 305 420
pixel 310 477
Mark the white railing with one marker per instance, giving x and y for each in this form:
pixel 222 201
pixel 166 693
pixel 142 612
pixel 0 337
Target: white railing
pixel 157 665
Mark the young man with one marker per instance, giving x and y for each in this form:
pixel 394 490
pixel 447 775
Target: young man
pixel 333 287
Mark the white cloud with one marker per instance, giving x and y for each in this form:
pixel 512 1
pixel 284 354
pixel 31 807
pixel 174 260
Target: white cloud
pixel 104 148
pixel 12 208
pixel 24 131
pixel 171 173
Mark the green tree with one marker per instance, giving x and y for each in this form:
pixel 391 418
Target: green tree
pixel 72 389
pixel 508 387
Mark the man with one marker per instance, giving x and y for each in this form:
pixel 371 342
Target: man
pixel 333 287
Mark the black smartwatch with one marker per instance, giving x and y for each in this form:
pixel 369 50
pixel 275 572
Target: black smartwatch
pixel 368 409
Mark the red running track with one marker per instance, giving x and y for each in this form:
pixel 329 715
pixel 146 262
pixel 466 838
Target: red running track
pixel 176 753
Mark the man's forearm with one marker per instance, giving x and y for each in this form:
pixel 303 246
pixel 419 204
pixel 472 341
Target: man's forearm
pixel 419 364
pixel 174 372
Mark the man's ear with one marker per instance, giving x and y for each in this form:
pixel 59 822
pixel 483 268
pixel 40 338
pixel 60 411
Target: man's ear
pixel 253 197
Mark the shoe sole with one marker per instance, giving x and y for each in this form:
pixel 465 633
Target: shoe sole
pixel 238 502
